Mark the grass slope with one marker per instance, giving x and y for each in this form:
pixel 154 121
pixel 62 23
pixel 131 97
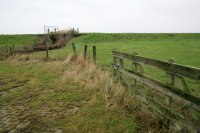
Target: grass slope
pixel 18 40
pixel 54 96
pixel 185 48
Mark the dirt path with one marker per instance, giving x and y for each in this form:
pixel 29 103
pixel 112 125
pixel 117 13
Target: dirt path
pixel 19 116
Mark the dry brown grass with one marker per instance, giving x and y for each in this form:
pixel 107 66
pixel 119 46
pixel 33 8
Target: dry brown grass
pixel 19 57
pixel 30 58
pixel 93 77
pixel 115 94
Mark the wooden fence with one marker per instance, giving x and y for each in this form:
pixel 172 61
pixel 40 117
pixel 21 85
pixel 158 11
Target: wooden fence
pixel 172 99
pixel 85 52
pixel 48 42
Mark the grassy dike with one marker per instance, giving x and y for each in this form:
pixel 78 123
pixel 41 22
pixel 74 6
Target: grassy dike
pixel 66 95
pixel 184 48
pixel 18 40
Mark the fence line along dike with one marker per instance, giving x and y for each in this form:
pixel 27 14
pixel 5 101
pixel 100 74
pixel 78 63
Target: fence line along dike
pixel 50 41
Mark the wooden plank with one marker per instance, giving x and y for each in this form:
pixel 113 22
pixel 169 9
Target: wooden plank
pixel 74 48
pixel 6 49
pixel 94 54
pixel 178 94
pixel 170 114
pixel 13 48
pixel 10 52
pixel 187 71
pixel 47 50
pixel 85 52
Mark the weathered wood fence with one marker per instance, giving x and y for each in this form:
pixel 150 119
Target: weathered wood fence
pixel 7 51
pixel 85 52
pixel 172 99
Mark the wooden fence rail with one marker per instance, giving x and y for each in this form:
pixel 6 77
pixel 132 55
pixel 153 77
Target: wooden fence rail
pixel 182 70
pixel 162 97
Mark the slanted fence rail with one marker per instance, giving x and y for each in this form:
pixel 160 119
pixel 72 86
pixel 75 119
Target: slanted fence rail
pixel 172 99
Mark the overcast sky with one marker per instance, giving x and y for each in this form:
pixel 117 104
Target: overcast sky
pixel 29 16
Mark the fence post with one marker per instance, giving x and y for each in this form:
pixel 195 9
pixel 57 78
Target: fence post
pixel 6 49
pixel 178 81
pixel 121 60
pixel 85 52
pixel 94 54
pixel 13 48
pixel 168 99
pixel 35 44
pixel 47 51
pixel 134 68
pixel 114 71
pixel 33 47
pixel 10 50
pixel 74 48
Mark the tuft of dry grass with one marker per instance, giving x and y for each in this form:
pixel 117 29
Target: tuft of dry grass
pixel 94 77
pixel 19 57
pixel 115 94
pixel 29 58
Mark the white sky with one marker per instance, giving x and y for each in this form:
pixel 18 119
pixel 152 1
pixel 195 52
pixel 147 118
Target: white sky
pixel 29 16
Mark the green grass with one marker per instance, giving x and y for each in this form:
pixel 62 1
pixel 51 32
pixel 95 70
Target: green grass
pixel 184 48
pixel 18 40
pixel 44 89
pixel 50 102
